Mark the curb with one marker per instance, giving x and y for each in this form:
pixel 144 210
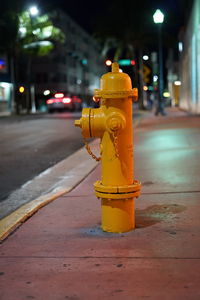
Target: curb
pixel 83 166
pixel 16 218
pixel 19 216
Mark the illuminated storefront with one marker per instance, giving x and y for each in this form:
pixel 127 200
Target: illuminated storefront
pixel 5 96
pixel 5 87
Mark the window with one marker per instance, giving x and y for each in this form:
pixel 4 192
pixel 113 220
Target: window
pixel 59 78
pixel 73 80
pixel 59 59
pixel 41 77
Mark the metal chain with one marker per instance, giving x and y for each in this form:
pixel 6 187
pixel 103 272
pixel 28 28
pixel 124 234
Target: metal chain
pixel 87 147
pixel 115 139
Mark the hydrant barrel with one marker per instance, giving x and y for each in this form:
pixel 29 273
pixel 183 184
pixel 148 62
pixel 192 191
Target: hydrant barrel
pixel 117 145
pixel 112 123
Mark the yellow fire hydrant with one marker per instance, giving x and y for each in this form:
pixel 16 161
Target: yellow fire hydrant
pixel 112 123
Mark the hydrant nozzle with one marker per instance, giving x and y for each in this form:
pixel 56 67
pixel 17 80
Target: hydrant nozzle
pixel 77 123
pixel 112 123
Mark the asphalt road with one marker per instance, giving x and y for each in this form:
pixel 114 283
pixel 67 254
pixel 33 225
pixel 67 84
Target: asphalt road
pixel 31 144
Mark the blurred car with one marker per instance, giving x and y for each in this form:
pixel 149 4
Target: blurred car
pixel 60 102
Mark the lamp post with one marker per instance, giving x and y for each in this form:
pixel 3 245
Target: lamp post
pixel 33 12
pixel 158 18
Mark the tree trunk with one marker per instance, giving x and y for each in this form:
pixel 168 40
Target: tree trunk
pixel 28 84
pixel 12 79
pixel 16 98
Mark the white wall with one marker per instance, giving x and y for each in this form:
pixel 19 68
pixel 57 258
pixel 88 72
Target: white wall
pixel 190 63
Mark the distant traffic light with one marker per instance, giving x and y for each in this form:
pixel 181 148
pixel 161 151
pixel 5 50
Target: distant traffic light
pixel 145 88
pixel 146 74
pixel 126 62
pixel 108 62
pixel 84 61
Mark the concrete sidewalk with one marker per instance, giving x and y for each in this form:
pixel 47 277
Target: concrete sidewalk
pixel 61 252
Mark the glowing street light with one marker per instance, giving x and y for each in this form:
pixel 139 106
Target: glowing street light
pixel 108 62
pixel 145 57
pixel 155 78
pixel 33 10
pixel 46 92
pixel 145 88
pixel 21 89
pixel 158 17
pixel 177 82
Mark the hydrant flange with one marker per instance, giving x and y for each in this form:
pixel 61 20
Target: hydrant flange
pixel 117 192
pixel 99 187
pixel 117 94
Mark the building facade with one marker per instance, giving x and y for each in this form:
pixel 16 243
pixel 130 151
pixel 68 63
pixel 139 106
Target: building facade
pixel 73 67
pixel 190 63
pixel 6 88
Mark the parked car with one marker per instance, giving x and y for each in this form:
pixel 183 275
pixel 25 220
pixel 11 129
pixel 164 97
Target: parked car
pixel 60 102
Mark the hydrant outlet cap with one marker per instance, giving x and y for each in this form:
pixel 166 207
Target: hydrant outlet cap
pixel 77 123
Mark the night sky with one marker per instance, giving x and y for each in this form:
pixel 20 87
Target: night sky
pixel 131 15
pixel 89 14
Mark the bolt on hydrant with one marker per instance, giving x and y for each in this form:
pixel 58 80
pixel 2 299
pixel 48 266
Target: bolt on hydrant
pixel 112 123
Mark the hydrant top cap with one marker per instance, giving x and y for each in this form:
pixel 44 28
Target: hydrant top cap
pixel 115 67
pixel 115 81
pixel 116 84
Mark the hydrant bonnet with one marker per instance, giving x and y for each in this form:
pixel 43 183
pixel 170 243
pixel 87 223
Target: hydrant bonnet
pixel 115 84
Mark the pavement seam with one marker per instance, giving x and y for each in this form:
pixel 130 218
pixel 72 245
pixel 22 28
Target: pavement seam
pixel 102 257
pixel 166 193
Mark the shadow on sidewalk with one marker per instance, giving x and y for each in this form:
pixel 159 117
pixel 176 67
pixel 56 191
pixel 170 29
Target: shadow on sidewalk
pixel 156 213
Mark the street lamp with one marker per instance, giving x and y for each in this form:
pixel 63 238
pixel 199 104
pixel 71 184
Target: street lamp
pixel 33 10
pixel 158 18
pixel 145 57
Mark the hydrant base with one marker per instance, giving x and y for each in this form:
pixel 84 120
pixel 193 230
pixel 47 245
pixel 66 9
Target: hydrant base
pixel 117 215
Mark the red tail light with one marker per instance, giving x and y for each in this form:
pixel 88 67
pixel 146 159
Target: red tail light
pixel 76 99
pixel 66 100
pixel 50 101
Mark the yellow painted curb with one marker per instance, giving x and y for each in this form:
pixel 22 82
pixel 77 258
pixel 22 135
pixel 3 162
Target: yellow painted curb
pixel 19 216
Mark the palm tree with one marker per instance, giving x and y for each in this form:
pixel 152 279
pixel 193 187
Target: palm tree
pixel 128 33
pixel 22 36
pixel 9 24
pixel 37 37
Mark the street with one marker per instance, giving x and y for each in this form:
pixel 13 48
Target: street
pixel 31 144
